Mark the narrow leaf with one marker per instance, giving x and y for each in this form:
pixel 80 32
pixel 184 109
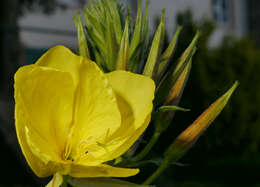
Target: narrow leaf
pixel 189 136
pixel 137 31
pixel 172 108
pixel 95 20
pixel 137 60
pixel 113 11
pixel 145 22
pixel 122 59
pixel 151 65
pixel 168 52
pixel 111 45
pixel 82 42
pixel 96 35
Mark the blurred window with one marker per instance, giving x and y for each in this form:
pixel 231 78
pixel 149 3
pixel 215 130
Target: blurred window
pixel 222 11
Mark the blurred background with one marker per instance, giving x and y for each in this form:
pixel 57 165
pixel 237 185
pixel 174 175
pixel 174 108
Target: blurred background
pixel 228 154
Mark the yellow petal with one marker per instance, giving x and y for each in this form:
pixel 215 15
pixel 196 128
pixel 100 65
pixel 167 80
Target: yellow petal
pixel 137 90
pixel 80 171
pixel 37 165
pixel 96 113
pixel 44 99
pixel 123 145
pixel 56 181
pixel 61 58
pixel 40 147
pixel 138 93
pixel 113 141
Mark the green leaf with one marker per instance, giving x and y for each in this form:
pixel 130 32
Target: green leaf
pixel 102 182
pixel 100 61
pixel 137 31
pixel 111 45
pixel 113 11
pixel 172 108
pixel 137 55
pixel 168 53
pixel 95 34
pixel 82 42
pixel 163 116
pixel 123 55
pixel 145 34
pixel 189 136
pixel 95 18
pixel 135 60
pixel 151 66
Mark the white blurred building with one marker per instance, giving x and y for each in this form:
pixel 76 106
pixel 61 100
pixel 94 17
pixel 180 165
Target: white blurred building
pixel 41 31
pixel 230 16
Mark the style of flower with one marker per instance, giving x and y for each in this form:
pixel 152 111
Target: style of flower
pixel 71 118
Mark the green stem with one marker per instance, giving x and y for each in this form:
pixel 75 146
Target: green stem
pixel 65 181
pixel 159 170
pixel 147 148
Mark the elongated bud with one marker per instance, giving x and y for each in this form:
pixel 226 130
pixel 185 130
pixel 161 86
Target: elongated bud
pixel 189 136
pixel 178 87
pixel 167 89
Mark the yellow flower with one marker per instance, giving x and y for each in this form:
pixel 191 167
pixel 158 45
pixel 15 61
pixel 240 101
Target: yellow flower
pixel 71 118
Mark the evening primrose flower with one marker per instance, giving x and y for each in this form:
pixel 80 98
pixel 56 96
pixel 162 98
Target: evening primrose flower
pixel 71 118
